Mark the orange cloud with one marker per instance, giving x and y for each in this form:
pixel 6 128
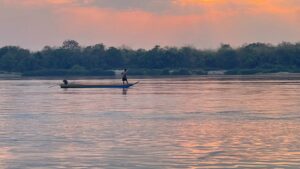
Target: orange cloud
pixel 272 6
pixel 277 7
pixel 123 25
pixel 233 22
pixel 60 1
pixel 202 23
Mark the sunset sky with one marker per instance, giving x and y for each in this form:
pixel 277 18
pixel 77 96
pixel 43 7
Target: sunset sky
pixel 144 23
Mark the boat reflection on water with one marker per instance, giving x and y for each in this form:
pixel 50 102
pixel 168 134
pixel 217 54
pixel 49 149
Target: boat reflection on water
pixel 124 91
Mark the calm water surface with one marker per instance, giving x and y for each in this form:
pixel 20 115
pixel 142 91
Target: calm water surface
pixel 196 122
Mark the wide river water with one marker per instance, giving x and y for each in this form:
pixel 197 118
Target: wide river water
pixel 183 122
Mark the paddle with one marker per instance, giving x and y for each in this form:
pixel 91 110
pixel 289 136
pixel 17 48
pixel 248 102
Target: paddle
pixel 52 86
pixel 65 82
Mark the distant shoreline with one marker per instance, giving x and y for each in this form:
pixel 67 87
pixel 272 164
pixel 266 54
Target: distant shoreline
pixel 213 76
pixel 150 72
pixel 9 75
pixel 113 74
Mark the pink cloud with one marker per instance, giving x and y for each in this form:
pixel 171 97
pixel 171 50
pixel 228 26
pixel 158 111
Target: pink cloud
pixel 135 28
pixel 202 23
pixel 39 3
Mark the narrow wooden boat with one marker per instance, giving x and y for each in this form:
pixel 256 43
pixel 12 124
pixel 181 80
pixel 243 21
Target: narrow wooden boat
pixel 74 85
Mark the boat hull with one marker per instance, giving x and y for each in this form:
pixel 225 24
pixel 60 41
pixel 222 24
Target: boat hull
pixel 97 86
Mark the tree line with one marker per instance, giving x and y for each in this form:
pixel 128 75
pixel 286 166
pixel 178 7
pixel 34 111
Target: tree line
pixel 99 59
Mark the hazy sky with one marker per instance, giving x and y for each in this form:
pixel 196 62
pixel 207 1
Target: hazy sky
pixel 144 23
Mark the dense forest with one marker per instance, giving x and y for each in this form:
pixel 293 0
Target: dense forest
pixel 73 59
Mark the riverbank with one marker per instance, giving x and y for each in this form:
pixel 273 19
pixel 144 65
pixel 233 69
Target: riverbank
pixel 211 77
pixel 10 75
pixel 151 72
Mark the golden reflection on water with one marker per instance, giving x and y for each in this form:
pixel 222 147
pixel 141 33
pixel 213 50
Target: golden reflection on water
pixel 160 123
pixel 246 144
pixel 241 97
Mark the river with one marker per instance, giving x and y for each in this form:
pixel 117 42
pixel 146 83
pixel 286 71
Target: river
pixel 181 122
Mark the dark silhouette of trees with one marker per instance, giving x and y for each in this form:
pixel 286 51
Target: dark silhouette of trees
pixel 70 44
pixel 96 59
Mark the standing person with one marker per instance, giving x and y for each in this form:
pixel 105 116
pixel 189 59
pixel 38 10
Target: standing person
pixel 65 82
pixel 124 76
